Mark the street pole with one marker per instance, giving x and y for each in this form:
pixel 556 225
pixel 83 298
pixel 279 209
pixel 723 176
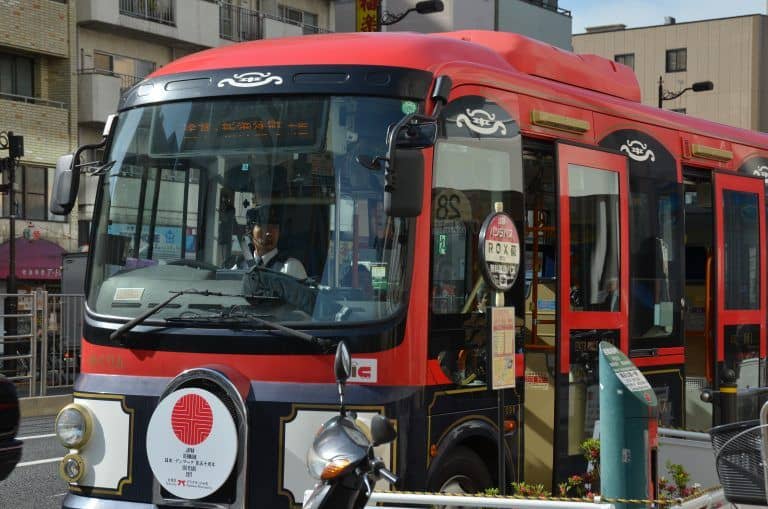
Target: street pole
pixel 15 147
pixel 661 91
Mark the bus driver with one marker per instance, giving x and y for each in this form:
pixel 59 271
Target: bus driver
pixel 264 230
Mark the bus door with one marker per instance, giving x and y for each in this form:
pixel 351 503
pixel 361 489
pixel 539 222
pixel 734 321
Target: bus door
pixel 740 296
pixel 593 289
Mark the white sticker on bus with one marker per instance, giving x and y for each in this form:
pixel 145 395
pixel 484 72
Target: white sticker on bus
pixel 364 371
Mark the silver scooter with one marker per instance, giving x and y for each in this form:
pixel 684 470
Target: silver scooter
pixel 342 457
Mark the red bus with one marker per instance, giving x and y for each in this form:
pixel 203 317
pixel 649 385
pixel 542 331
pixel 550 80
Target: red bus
pixel 205 373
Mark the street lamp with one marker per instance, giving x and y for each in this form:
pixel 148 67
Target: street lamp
pixel 424 7
pixel 666 95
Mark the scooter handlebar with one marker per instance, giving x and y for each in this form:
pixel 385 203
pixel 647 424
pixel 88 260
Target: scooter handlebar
pixel 386 474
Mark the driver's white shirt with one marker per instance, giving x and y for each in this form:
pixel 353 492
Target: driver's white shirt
pixel 291 266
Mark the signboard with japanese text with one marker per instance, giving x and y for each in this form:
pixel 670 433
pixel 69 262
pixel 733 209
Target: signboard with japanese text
pixel 367 15
pixel 191 443
pixel 499 251
pixel 503 370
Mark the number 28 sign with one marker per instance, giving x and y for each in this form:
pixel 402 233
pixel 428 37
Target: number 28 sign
pixel 499 248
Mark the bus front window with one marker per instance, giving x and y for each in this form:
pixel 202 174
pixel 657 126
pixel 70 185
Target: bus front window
pixel 260 199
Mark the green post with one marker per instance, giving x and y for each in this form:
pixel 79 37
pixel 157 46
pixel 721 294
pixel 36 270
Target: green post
pixel 627 428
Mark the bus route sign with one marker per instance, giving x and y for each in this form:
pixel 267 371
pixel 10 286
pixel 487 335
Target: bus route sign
pixel 499 248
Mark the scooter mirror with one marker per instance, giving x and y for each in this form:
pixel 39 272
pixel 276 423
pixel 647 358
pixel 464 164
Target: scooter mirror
pixel 342 366
pixel 382 431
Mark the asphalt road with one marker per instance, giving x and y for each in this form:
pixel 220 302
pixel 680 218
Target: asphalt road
pixel 35 483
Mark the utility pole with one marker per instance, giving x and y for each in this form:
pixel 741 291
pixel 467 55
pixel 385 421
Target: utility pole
pixel 15 146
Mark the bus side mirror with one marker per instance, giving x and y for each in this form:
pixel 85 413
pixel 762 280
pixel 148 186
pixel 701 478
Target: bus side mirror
pixel 63 196
pixel 404 175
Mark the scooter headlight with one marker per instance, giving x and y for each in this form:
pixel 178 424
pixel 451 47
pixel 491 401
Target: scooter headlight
pixel 73 426
pixel 315 463
pixel 323 469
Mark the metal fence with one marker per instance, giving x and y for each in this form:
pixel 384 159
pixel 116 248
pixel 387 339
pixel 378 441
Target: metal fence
pixel 159 11
pixel 239 24
pixel 40 341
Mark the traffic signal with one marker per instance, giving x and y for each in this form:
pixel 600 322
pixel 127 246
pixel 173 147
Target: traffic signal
pixel 15 145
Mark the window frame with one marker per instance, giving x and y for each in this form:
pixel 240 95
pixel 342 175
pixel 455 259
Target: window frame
pixel 14 58
pixel 307 28
pixel 21 192
pixel 620 58
pixel 676 52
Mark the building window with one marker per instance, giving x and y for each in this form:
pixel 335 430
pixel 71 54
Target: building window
pixel 627 59
pixel 677 59
pixel 17 75
pixel 307 20
pixel 32 190
pixel 130 70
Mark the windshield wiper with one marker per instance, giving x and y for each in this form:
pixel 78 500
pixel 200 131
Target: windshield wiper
pixel 136 321
pixel 247 318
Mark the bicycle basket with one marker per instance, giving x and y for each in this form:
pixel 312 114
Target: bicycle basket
pixel 739 461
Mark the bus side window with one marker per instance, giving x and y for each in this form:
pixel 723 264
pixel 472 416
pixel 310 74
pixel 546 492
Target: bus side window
pixel 471 174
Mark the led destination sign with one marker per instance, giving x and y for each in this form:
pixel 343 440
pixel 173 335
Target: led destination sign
pixel 241 124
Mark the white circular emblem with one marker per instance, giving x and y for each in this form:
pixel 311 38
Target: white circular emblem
pixel 191 443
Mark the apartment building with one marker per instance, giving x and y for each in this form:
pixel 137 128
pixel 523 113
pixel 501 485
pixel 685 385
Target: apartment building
pixel 544 20
pixel 39 102
pixel 732 53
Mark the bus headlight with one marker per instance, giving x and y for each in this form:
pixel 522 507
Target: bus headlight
pixel 73 426
pixel 72 468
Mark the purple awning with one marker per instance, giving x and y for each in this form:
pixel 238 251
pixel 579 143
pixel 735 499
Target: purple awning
pixel 35 259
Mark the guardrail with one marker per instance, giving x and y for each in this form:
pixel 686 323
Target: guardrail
pixel 41 353
pixel 710 499
pixel 439 499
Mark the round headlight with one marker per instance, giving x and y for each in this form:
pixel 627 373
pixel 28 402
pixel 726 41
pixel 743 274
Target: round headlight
pixel 73 426
pixel 72 468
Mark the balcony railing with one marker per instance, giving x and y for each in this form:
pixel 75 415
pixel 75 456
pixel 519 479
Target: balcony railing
pixel 550 5
pixel 239 24
pixel 33 100
pixel 126 80
pixel 306 28
pixel 159 11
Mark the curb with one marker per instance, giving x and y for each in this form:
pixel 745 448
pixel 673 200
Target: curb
pixel 43 405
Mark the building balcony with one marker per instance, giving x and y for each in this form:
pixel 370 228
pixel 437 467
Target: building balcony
pixel 238 24
pixel 175 22
pixel 159 11
pixel 43 123
pixel 99 92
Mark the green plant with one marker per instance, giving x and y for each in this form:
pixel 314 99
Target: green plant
pixel 575 486
pixel 678 487
pixel 525 489
pixel 590 448
pixel 491 492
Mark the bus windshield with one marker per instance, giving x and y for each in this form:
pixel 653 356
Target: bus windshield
pixel 261 200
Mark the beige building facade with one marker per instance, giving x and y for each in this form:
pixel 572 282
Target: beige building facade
pixel 732 53
pixel 39 102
